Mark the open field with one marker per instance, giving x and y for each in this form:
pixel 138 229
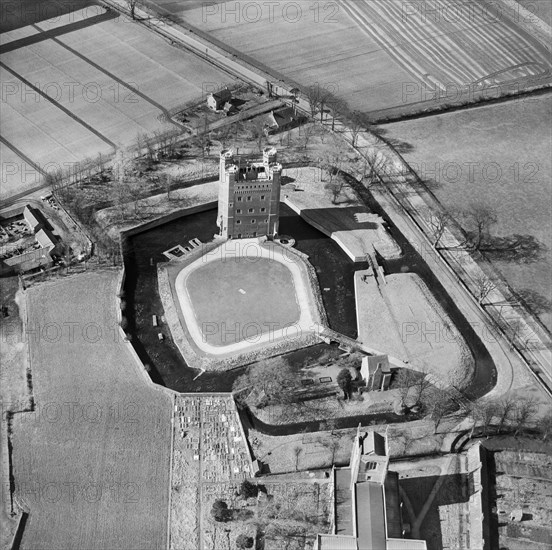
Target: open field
pixel 85 84
pixel 380 54
pixel 92 462
pixel 229 296
pixel 469 157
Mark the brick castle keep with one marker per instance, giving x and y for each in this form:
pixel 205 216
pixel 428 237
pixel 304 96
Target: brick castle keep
pixel 249 196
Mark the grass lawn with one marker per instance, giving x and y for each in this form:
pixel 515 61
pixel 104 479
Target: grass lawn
pixel 238 299
pixel 498 156
pixel 92 462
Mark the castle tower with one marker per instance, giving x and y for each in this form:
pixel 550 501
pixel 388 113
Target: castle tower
pixel 249 196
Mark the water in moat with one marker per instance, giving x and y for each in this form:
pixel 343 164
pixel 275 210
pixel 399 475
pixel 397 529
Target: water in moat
pixel 144 250
pixel 335 272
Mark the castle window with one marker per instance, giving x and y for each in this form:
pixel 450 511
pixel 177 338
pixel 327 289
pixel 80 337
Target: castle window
pixel 238 211
pixel 253 221
pixel 248 198
pixel 263 197
pixel 239 199
pixel 238 222
pixel 263 209
pixel 251 210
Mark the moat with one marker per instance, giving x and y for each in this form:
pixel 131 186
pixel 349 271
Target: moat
pixel 335 272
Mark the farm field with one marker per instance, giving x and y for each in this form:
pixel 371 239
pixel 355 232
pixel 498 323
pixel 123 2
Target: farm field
pixel 92 462
pixel 499 156
pixel 380 54
pixel 88 83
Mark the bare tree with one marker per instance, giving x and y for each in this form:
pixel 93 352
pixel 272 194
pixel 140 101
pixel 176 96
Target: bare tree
pixel 439 406
pixel 314 94
pixel 295 93
pixel 132 7
pixel 121 189
pixel 335 188
pixel 259 130
pixel 505 410
pixel 406 380
pixel 271 381
pixel 520 334
pixel 524 413
pixel 483 286
pixel 224 134
pixel 374 166
pixel 481 218
pixel 475 413
pixel 337 107
pixel 325 98
pixel 333 163
pixel 357 122
pixel 545 425
pixel 308 131
pixel 421 385
pixel 488 412
pixel 439 221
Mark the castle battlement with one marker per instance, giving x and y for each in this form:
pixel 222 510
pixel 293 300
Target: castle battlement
pixel 249 195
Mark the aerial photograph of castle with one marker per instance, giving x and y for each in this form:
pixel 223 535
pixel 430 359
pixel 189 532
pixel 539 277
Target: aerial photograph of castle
pixel 276 275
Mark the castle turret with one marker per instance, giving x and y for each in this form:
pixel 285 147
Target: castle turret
pixel 249 196
pixel 270 156
pixel 226 160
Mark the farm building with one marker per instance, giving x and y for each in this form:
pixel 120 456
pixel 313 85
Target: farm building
pixel 376 371
pixel 34 218
pixel 282 119
pixel 42 253
pixel 249 196
pixel 367 502
pixel 218 101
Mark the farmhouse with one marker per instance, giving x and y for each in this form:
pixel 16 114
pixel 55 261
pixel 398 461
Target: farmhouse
pixel 218 100
pixel 249 196
pixel 367 502
pixel 282 119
